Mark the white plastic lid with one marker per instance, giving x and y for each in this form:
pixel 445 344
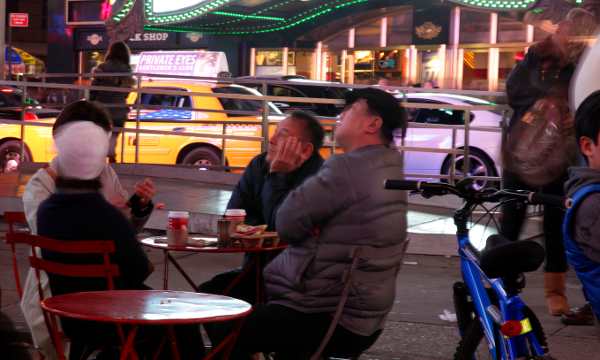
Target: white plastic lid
pixel 235 212
pixel 179 214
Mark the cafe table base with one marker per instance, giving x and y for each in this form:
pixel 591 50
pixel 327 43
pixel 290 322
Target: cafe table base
pixel 149 307
pixel 159 242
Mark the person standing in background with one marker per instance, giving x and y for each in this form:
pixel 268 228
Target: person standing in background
pixel 117 61
pixel 545 73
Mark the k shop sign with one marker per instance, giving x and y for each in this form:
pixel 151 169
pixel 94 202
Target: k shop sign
pixel 19 20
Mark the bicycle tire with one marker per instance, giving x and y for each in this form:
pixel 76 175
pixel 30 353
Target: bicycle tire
pixel 473 346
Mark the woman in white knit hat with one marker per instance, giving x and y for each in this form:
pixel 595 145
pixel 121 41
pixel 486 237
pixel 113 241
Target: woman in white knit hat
pixel 79 211
pixel 43 184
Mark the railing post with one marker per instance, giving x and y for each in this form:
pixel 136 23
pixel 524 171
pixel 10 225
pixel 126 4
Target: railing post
pixel 224 146
pixel 504 126
pixel 23 103
pixel 403 141
pixel 332 138
pixel 138 102
pixel 466 162
pixel 453 159
pixel 265 119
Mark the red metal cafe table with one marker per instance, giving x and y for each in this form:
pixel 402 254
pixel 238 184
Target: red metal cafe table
pixel 150 307
pixel 151 242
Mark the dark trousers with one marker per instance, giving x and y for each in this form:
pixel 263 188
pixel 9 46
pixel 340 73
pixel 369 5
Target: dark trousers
pixel 98 334
pixel 513 217
pixel 291 334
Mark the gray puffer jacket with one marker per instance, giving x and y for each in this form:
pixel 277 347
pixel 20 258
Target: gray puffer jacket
pixel 118 114
pixel 348 199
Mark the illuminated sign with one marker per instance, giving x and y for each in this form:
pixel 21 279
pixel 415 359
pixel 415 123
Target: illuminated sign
pixel 106 9
pixel 167 6
pixel 186 63
pixel 87 12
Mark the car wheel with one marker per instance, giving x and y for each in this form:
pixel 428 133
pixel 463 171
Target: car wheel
pixel 202 156
pixel 480 165
pixel 10 157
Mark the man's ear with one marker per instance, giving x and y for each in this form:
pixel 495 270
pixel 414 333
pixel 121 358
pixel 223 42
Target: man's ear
pixel 586 144
pixel 307 150
pixel 373 124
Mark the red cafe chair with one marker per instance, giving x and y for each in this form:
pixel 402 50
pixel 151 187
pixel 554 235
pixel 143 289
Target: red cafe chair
pixel 12 217
pixel 107 270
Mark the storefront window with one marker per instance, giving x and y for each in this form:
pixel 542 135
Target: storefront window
pixel 510 30
pixel 430 68
pixel 364 68
pixel 399 29
pixel 333 67
pixel 474 27
pixel 368 35
pixel 389 65
pixel 304 63
pixel 475 71
pixel 91 59
pixel 507 61
pixel 271 63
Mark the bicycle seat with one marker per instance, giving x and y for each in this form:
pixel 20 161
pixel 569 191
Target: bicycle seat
pixel 503 257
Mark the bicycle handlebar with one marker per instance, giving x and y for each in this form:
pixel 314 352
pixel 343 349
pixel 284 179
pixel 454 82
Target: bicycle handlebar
pixel 486 195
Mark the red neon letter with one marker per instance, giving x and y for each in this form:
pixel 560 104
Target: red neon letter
pixel 106 9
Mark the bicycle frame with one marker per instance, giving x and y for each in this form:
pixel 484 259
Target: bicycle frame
pixel 510 307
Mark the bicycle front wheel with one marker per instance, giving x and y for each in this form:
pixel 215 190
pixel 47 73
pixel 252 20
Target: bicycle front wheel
pixel 474 346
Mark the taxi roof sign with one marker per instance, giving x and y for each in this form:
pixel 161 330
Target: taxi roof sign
pixel 183 63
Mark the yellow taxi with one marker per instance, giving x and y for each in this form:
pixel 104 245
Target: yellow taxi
pixel 172 149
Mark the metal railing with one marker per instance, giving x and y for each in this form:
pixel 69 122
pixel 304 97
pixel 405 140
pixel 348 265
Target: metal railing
pixel 263 117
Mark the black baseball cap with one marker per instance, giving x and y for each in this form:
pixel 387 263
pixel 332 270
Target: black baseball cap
pixel 385 104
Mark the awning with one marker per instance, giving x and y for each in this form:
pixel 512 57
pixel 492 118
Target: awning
pixel 23 62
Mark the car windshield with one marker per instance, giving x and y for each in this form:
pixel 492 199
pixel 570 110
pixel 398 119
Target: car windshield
pixel 241 104
pixel 13 97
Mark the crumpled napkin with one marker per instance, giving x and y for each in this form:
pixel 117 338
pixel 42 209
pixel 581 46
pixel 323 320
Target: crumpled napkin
pixel 448 316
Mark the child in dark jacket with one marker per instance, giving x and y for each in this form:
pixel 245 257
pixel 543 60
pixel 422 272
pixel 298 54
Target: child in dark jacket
pixel 582 230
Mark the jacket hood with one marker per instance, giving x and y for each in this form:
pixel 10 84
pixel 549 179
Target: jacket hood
pixel 580 177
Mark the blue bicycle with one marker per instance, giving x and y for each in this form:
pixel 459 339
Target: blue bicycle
pixel 495 313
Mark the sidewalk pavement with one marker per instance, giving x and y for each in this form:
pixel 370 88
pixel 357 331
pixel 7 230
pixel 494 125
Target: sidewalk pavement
pixel 414 330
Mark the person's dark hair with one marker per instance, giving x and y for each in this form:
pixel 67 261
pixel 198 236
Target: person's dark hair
pixel 587 118
pixel 384 105
pixel 313 130
pixel 94 184
pixel 118 51
pixel 84 111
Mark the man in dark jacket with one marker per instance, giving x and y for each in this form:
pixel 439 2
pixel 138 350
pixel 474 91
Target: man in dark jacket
pixel 293 156
pixel 344 205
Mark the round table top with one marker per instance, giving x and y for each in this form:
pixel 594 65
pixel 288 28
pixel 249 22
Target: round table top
pixel 163 245
pixel 156 307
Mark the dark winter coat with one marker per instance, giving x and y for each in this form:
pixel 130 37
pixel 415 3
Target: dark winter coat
pixel 118 114
pixel 348 199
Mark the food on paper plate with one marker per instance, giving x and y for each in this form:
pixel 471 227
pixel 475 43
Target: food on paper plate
pixel 251 230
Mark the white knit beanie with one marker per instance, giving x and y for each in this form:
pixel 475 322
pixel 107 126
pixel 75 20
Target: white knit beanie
pixel 82 150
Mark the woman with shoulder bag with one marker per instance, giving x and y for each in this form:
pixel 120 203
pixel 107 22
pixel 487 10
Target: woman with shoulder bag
pixel 540 146
pixel 116 61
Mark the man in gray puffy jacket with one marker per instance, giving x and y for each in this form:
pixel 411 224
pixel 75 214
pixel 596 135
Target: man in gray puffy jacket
pixel 342 206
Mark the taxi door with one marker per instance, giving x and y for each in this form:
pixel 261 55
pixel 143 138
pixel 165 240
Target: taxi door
pixel 158 148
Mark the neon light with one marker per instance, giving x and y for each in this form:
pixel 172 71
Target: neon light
pixel 248 16
pixel 106 10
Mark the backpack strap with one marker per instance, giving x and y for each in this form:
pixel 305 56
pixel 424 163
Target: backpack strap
pixel 587 270
pixel 52 174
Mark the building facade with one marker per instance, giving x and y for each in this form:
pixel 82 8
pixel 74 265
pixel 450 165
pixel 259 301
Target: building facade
pixel 456 44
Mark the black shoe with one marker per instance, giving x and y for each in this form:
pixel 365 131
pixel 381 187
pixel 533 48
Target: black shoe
pixel 580 316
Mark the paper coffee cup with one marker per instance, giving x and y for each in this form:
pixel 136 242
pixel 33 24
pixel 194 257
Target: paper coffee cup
pixel 177 232
pixel 235 215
